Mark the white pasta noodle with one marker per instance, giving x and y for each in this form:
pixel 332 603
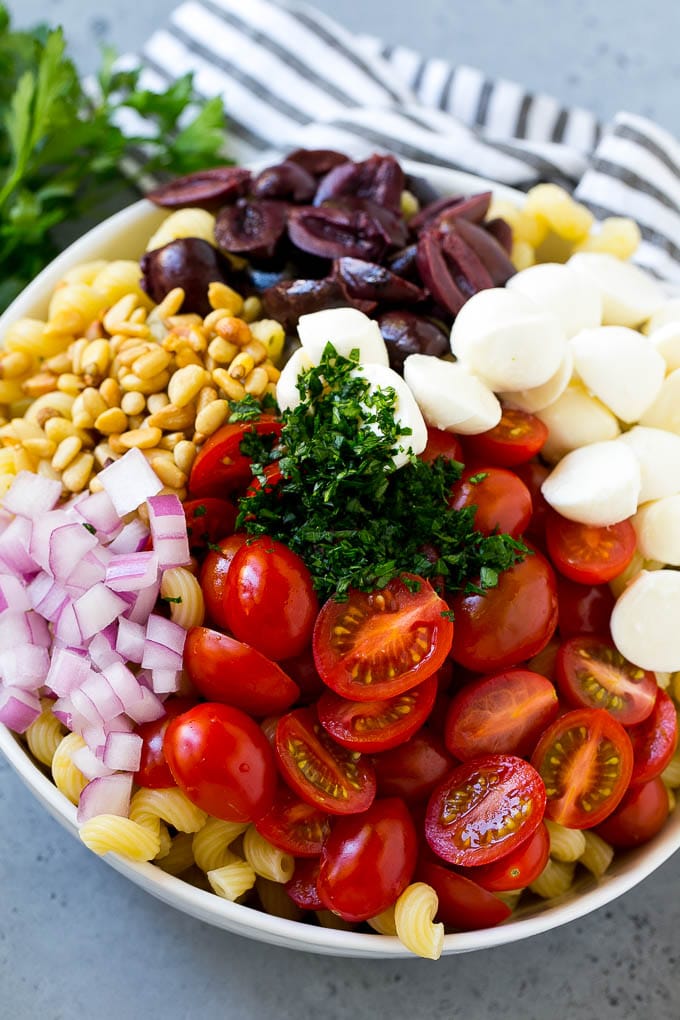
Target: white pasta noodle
pixel 148 807
pixel 598 854
pixel 114 833
pixel 384 922
pixel 118 278
pixel 554 880
pixel 190 222
pixel 327 919
pixel 414 914
pixel 212 842
pixel 510 897
pixel 275 900
pixel 183 593
pixel 45 734
pixel 672 799
pixel 180 856
pixel 68 779
pixel 267 860
pixel 232 880
pixel 565 844
pixel 165 842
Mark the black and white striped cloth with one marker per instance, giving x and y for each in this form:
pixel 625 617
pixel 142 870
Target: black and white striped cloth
pixel 290 76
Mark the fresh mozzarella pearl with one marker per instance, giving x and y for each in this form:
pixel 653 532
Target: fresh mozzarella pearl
pixel 597 484
pixel 644 621
pixel 657 526
pixel 449 396
pixel 668 312
pixel 620 367
pixel 658 453
pixel 664 413
pixel 666 340
pixel 629 295
pixel 347 329
pixel 575 419
pixel 507 340
pixel 563 292
pixel 543 396
pixel 287 395
pixel 406 410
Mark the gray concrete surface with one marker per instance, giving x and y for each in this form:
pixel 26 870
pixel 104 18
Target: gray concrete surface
pixel 79 941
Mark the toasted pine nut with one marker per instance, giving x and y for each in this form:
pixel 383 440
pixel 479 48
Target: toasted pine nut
pixel 130 381
pixel 185 356
pixel 236 331
pixel 19 429
pixel 171 303
pixel 132 328
pixel 66 451
pixel 127 356
pixel 233 389
pixel 56 429
pixel 95 359
pixel 173 417
pixel 143 439
pixel 134 403
pixel 58 364
pixel 110 391
pixel 37 385
pixel 170 440
pixel 257 350
pixel 241 366
pixel 120 312
pixel 252 309
pixel 77 474
pixel 93 402
pixel 197 339
pixel 169 473
pixel 256 383
pixel 156 401
pixel 14 364
pixel 95 484
pixel 222 296
pixel 273 373
pixel 75 352
pixel 80 416
pixel 186 383
pixel 151 363
pixel 22 460
pixel 47 471
pixel 103 454
pixel 69 382
pixel 223 351
pixel 39 447
pixel 111 421
pixel 184 455
pixel 184 321
pixel 212 417
pixel 205 397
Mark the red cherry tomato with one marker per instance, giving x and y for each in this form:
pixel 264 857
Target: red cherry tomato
pixel 533 474
pixel 220 467
pixel 226 670
pixel 502 500
pixel 591 673
pixel 302 886
pixel 368 860
pixel 654 740
pixel 269 599
pixel 377 725
pixel 319 770
pixel 220 758
pixel 516 439
pixel 504 713
pixel 589 554
pixel 302 669
pixel 639 816
pixel 208 520
pixel 509 623
pixel 583 608
pixel 518 868
pixel 585 760
pixel 484 809
pixel 463 904
pixel 154 771
pixel 379 644
pixel 213 576
pixel 413 769
pixel 441 444
pixel 294 826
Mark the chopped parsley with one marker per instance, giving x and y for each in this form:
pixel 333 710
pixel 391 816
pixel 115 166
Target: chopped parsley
pixel 355 520
pixel 249 408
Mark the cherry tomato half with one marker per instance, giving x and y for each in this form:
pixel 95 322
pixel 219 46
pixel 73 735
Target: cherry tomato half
pixel 509 623
pixel 269 599
pixel 484 809
pixel 639 816
pixel 654 740
pixel 591 673
pixel 213 576
pixel 533 474
pixel 463 904
pixel 589 554
pixel 319 770
pixel 220 467
pixel 154 771
pixel 517 438
pixel 377 725
pixel 208 520
pixel 519 868
pixel 413 769
pixel 441 444
pixel 504 713
pixel 220 758
pixel 585 760
pixel 502 500
pixel 294 826
pixel 583 608
pixel 302 886
pixel 226 670
pixel 379 644
pixel 368 860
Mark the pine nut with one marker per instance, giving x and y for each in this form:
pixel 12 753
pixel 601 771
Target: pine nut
pixel 252 309
pixel 65 453
pixel 80 416
pixel 112 420
pixel 56 403
pixel 15 364
pixel 156 401
pixel 37 385
pixel 169 473
pixel 256 383
pixel 69 382
pixel 96 359
pixel 205 397
pixel 171 303
pixel 143 439
pixel 75 352
pixel 233 389
pixel 241 366
pixel 170 440
pixel 173 417
pixel 56 429
pixel 58 364
pixel 134 403
pixel 185 356
pixel 103 454
pixel 212 417
pixel 95 484
pixel 186 383
pixel 130 381
pixel 273 373
pixel 110 391
pixel 119 313
pixel 236 331
pixel 184 455
pixel 42 448
pixel 151 363
pixel 221 296
pixel 127 356
pixel 257 350
pixel 77 474
pixel 223 351
pixel 93 402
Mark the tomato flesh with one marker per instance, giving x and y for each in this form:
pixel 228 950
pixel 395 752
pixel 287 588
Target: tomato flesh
pixel 591 672
pixel 639 816
pixel 585 760
pixel 220 467
pixel 294 826
pixel 517 438
pixel 213 576
pixel 302 886
pixel 583 608
pixel 379 644
pixel 463 904
pixel 519 868
pixel 654 740
pixel 502 500
pixel 589 554
pixel 483 809
pixel 412 769
pixel 208 520
pixel 154 771
pixel 377 725
pixel 441 444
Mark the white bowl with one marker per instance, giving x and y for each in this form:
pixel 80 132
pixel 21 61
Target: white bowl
pixel 124 236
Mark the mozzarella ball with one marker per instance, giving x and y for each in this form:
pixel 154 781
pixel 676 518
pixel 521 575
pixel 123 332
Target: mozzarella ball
pixel 450 397
pixel 597 484
pixel 644 621
pixel 287 395
pixel 630 296
pixel 668 312
pixel 666 340
pixel 664 412
pixel 657 526
pixel 658 454
pixel 543 396
pixel 620 367
pixel 561 291
pixel 406 410
pixel 347 329
pixel 575 419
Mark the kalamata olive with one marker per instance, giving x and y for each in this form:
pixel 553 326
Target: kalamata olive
pixel 190 263
pixel 285 180
pixel 332 232
pixel 372 282
pixel 406 333
pixel 205 188
pixel 450 269
pixel 445 210
pixel 393 224
pixel 404 263
pixel 317 162
pixel 421 188
pixel 491 252
pixel 288 300
pixel 254 226
pixel 379 178
pixel 501 230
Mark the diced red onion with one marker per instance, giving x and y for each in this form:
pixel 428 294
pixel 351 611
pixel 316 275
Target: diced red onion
pixel 101 694
pixel 130 640
pixel 63 710
pixel 90 765
pixel 39 631
pixel 68 546
pixel 131 571
pixel 123 751
pixel 144 602
pixel 31 495
pixel 98 510
pixel 84 706
pixel 106 795
pixel 67 671
pixel 94 735
pixel 12 594
pixel 132 538
pixel 166 632
pixel 15 543
pixel 120 724
pixel 91 570
pixel 165 681
pixel 41 536
pixel 66 626
pixel 14 629
pixel 97 608
pixel 46 596
pixel 129 481
pixel 18 708
pixel 147 708
pixel 25 665
pixel 169 531
pixel 124 683
pixel 101 652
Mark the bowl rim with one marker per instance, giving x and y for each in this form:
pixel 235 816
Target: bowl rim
pixel 129 227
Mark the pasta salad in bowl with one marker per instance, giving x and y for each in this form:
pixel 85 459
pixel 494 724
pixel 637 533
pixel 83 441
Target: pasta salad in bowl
pixel 338 552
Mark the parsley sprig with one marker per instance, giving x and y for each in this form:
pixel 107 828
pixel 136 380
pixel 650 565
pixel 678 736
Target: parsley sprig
pixel 355 520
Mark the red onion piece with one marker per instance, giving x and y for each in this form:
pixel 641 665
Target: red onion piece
pixel 108 795
pixel 13 594
pixel 14 630
pixel 85 707
pixel 131 571
pixel 68 546
pixel 98 510
pixel 90 570
pixel 165 632
pixel 102 650
pixel 129 481
pixel 46 596
pixel 39 631
pixel 97 608
pixel 18 708
pixel 66 626
pixel 26 665
pixel 123 751
pixel 147 708
pixel 169 531
pixel 41 535
pixel 103 697
pixel 130 640
pixel 15 543
pixel 132 538
pixel 92 768
pixel 143 604
pixel 68 670
pixel 32 495
pixel 165 681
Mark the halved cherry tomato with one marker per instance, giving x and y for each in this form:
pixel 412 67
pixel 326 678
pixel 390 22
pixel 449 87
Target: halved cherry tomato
pixel 463 904
pixel 585 760
pixel 226 670
pixel 208 520
pixel 154 771
pixel 269 599
pixel 504 713
pixel 654 740
pixel 220 758
pixel 379 644
pixel 583 608
pixel 589 554
pixel 319 770
pixel 517 438
pixel 213 576
pixel 220 467
pixel 591 673
pixel 518 868
pixel 533 474
pixel 302 669
pixel 639 816
pixel 502 500
pixel 302 886
pixel 484 809
pixel 368 860
pixel 441 444
pixel 377 725
pixel 413 769
pixel 294 826
pixel 509 623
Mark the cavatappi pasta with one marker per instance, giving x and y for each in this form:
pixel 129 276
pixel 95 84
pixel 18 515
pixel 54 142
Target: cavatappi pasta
pixel 414 914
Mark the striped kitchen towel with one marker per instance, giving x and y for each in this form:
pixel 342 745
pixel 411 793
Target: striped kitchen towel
pixel 290 76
